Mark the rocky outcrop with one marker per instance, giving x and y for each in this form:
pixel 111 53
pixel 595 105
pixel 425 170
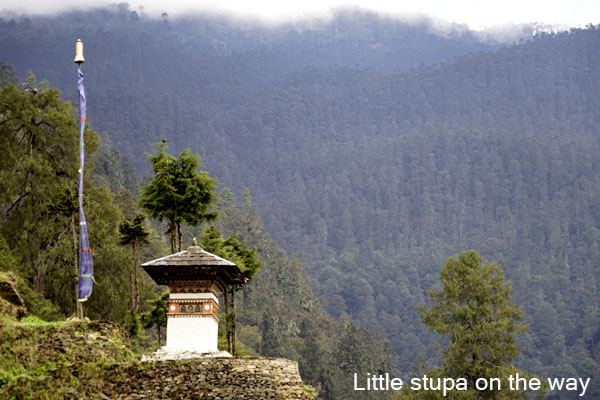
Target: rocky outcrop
pixel 10 301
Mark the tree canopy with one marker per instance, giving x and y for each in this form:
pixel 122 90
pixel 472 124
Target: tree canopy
pixel 135 234
pixel 179 193
pixel 38 185
pixel 245 258
pixel 475 312
pixel 231 249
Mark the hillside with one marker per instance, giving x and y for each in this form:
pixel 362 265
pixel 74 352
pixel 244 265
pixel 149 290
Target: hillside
pixel 280 316
pixel 37 355
pixel 374 173
pixel 92 360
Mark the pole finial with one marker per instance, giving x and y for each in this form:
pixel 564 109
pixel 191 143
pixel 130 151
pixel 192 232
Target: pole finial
pixel 79 53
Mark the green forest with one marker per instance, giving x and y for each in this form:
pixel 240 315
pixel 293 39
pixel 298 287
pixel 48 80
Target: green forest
pixel 279 315
pixel 372 151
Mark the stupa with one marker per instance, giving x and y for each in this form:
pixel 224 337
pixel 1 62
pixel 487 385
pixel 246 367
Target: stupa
pixel 195 278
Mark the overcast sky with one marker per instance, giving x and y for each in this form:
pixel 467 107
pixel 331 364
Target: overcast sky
pixel 477 14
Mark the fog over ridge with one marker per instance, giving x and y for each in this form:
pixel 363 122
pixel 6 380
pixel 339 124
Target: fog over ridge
pixel 498 19
pixel 311 21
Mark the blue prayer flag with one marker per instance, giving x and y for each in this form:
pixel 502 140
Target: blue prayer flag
pixel 86 264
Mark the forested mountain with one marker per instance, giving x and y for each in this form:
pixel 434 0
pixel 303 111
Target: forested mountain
pixel 373 154
pixel 206 52
pixel 280 316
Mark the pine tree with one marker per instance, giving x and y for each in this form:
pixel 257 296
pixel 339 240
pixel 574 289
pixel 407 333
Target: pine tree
pixel 157 316
pixel 7 75
pixel 179 193
pixel 134 233
pixel 271 344
pixel 474 309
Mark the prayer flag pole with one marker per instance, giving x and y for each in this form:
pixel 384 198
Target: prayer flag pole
pixel 86 267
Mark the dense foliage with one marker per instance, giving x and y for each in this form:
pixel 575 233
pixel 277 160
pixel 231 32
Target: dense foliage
pixel 38 172
pixel 279 316
pixel 245 259
pixel 39 198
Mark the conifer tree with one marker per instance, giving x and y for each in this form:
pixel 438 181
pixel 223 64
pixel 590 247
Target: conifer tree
pixel 236 252
pixel 134 233
pixel 7 74
pixel 179 193
pixel 271 344
pixel 474 309
pixel 157 316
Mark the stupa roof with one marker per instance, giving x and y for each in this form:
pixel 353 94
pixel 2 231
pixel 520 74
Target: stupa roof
pixel 193 264
pixel 193 256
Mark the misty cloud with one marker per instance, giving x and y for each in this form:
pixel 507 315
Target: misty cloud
pixel 494 16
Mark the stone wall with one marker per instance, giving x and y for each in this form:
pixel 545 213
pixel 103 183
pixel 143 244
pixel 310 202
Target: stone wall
pixel 211 378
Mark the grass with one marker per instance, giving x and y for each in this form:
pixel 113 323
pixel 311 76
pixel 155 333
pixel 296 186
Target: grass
pixel 37 357
pixel 310 390
pixel 4 276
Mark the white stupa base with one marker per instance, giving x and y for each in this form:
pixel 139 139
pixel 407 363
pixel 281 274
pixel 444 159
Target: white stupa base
pixel 164 354
pixel 196 334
